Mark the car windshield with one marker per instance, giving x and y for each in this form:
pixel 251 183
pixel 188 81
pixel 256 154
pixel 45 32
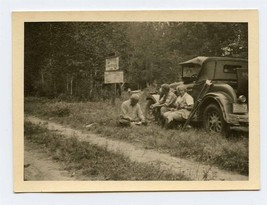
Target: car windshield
pixel 191 70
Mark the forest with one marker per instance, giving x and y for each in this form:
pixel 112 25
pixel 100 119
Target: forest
pixel 67 59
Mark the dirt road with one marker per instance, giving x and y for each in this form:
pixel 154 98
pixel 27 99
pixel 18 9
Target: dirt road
pixel 39 166
pixel 190 169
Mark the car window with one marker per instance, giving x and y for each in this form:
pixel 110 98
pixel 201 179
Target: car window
pixel 229 68
pixel 207 73
pixel 191 70
pixel 226 70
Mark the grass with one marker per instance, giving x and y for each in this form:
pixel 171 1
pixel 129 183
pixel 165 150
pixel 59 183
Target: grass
pixel 196 144
pixel 92 161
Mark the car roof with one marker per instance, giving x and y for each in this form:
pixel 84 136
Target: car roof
pixel 201 59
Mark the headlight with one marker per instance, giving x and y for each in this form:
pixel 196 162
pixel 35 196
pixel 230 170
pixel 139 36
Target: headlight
pixel 242 99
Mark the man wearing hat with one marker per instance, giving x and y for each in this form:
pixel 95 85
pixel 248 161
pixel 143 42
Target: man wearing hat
pixel 131 112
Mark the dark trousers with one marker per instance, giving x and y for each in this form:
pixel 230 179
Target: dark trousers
pixel 159 112
pixel 123 122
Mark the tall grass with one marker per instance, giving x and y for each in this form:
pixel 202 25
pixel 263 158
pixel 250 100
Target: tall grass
pixel 92 161
pixel 196 144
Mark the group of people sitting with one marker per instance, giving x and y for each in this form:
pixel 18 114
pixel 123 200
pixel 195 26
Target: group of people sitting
pixel 170 108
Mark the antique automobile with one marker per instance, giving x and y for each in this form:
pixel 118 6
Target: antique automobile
pixel 224 106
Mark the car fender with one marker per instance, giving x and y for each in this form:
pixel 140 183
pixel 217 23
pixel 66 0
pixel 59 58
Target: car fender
pixel 224 89
pixel 222 99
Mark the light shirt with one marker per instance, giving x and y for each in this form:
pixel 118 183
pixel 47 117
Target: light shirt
pixel 169 99
pixel 182 101
pixel 133 112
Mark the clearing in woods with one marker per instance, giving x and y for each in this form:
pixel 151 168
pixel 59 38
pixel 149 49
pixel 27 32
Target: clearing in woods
pixel 226 153
pixel 189 168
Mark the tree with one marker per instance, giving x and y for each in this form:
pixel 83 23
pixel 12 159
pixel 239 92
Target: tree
pixel 69 57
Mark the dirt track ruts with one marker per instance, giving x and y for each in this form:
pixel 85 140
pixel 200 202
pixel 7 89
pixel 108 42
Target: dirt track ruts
pixel 191 169
pixel 38 166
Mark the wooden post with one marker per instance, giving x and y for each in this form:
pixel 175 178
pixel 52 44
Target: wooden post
pixel 114 96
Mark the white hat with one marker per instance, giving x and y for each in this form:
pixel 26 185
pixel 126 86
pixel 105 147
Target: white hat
pixel 134 96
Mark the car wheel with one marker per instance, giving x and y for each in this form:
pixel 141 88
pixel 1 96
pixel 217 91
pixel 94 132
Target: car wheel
pixel 213 119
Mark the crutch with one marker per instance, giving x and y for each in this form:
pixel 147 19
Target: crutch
pixel 202 93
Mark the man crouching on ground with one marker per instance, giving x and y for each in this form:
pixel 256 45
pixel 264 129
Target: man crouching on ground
pixel 131 112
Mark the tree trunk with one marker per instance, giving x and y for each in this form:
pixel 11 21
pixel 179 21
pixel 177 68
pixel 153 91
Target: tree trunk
pixel 42 76
pixel 67 84
pixel 76 86
pixel 91 85
pixel 54 88
pixel 71 85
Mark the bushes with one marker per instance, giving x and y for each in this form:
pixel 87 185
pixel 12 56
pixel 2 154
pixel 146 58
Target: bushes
pixel 45 107
pixel 60 112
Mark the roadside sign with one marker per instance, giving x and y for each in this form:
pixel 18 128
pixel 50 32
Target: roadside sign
pixel 112 64
pixel 113 77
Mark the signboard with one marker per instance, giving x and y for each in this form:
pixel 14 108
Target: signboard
pixel 112 64
pixel 113 77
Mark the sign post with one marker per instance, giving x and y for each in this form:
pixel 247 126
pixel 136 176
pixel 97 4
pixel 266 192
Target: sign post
pixel 113 75
pixel 115 94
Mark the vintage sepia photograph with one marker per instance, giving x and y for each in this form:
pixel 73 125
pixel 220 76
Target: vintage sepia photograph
pixel 138 100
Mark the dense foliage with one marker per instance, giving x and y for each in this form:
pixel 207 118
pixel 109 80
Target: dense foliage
pixel 68 58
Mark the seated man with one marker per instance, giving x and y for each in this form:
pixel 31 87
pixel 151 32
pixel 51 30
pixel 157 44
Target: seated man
pixel 184 105
pixel 166 103
pixel 131 112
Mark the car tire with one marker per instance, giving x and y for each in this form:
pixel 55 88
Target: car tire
pixel 213 120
